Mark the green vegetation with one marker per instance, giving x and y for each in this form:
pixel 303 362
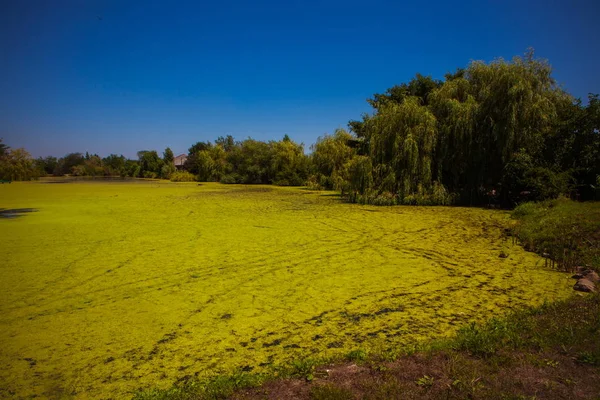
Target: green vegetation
pixel 499 133
pixel 550 351
pixel 250 161
pixel 567 232
pixel 113 287
pixel 182 176
pixel 16 164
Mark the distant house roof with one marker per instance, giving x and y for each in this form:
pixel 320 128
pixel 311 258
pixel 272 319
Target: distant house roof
pixel 180 160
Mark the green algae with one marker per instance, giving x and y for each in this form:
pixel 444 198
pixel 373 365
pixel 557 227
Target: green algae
pixel 112 287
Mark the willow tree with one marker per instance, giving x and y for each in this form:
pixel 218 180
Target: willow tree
pixel 473 133
pixel 516 111
pixel 456 111
pixel 402 144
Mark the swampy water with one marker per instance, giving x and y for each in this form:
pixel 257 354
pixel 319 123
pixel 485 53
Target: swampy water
pixel 112 287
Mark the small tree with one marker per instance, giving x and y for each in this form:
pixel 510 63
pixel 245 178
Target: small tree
pixel 168 156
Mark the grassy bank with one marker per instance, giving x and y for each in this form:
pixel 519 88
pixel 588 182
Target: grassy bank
pixel 567 232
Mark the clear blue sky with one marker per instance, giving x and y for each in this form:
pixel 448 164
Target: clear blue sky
pixel 125 75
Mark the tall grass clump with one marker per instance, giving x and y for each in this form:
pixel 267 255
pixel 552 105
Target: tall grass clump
pixel 182 176
pixel 564 231
pixel 220 387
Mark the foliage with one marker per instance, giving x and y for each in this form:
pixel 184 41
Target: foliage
pixel 425 381
pixel 66 164
pixel 359 176
pixel 92 166
pixel 249 161
pixel 329 156
pixel 504 127
pixel 550 325
pixel 523 179
pixel 150 163
pixel 289 164
pixel 114 165
pixel 168 156
pixel 567 232
pixel 17 165
pixel 46 165
pixel 182 176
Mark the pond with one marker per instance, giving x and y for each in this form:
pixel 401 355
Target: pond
pixel 116 287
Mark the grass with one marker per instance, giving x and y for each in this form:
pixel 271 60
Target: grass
pixel 110 288
pixel 567 232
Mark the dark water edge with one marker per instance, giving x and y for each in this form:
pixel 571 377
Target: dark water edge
pixel 99 179
pixel 15 212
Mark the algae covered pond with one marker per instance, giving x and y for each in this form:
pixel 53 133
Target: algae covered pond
pixel 111 287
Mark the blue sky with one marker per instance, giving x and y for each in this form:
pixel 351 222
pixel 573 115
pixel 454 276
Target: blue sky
pixel 121 76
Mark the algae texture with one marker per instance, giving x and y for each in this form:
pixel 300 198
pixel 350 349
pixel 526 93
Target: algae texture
pixel 113 287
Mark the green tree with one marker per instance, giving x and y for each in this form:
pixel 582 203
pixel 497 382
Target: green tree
pixel 168 164
pixel 227 143
pixel 17 165
pixel 168 156
pixel 360 177
pixel 289 164
pixel 66 164
pixel 195 160
pixel 427 137
pixel 114 165
pixel 329 155
pixel 402 143
pixel 150 163
pixel 46 165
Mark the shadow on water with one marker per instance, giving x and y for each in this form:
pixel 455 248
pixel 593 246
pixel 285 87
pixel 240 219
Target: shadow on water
pixel 15 212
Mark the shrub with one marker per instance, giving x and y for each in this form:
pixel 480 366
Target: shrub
pixel 182 176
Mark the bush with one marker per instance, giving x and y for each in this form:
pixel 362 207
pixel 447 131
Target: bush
pixel 182 176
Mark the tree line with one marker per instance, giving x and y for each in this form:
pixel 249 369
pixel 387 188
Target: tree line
pixel 226 160
pixel 503 131
pixel 18 165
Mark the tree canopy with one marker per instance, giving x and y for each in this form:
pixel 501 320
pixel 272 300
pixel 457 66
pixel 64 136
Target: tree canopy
pixel 504 127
